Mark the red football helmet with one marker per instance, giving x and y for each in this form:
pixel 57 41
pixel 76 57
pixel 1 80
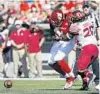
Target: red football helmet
pixel 56 17
pixel 77 16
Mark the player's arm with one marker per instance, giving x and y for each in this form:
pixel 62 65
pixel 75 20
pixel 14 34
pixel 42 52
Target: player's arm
pixel 98 29
pixel 68 36
pixel 73 31
pixel 98 35
pixel 52 33
pixel 62 36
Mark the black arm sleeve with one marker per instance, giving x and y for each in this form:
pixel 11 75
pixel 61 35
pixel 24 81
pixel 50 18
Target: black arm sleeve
pixel 52 33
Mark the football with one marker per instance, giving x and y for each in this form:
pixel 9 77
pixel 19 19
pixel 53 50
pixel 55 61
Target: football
pixel 8 84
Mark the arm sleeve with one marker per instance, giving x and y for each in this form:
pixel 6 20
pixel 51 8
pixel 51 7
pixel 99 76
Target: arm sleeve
pixel 97 22
pixel 52 33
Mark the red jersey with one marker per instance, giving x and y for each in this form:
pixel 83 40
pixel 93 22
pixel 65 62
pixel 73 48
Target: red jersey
pixel 32 41
pixel 64 27
pixel 17 37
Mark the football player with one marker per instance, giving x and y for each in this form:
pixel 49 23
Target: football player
pixel 61 47
pixel 88 43
pixel 93 17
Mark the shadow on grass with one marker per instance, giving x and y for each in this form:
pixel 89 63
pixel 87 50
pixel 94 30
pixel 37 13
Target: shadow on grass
pixel 94 93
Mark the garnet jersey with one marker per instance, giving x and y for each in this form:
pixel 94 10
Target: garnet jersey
pixel 62 29
pixel 85 32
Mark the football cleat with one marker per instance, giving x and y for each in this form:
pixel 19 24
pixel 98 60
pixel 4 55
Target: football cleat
pixel 69 83
pixel 86 82
pixel 84 86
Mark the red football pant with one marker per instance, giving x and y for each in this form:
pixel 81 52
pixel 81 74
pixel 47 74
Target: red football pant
pixel 87 55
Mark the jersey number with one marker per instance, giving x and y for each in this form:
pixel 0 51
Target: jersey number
pixel 88 31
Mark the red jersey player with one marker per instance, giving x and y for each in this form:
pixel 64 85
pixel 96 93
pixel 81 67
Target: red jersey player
pixel 61 47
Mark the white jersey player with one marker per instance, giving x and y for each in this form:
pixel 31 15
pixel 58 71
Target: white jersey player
pixel 86 39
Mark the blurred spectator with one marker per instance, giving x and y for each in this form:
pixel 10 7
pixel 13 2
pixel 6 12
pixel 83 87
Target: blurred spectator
pixel 22 17
pixel 79 4
pixel 33 14
pixel 3 9
pixel 70 5
pixel 17 42
pixel 39 15
pixel 34 41
pixel 38 5
pixel 42 16
pixel 24 7
pixel 12 14
pixel 2 46
pixel 68 8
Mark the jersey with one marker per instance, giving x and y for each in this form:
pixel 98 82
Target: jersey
pixel 62 29
pixel 85 32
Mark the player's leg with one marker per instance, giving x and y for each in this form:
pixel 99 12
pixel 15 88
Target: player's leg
pixel 58 52
pixel 61 66
pixel 72 58
pixel 87 55
pixel 59 58
pixel 52 63
pixel 75 65
pixel 64 50
pixel 95 68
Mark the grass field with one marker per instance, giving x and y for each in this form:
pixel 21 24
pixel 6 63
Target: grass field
pixel 43 87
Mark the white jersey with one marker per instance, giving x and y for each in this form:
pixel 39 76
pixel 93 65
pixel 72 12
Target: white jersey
pixel 85 32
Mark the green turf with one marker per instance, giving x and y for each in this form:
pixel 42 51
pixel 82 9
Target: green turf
pixel 43 87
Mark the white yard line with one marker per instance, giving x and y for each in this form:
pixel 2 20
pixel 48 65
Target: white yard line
pixel 32 79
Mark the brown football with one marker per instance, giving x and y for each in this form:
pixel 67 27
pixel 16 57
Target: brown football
pixel 8 83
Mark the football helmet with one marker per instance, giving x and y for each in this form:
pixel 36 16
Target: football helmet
pixel 77 16
pixel 56 17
